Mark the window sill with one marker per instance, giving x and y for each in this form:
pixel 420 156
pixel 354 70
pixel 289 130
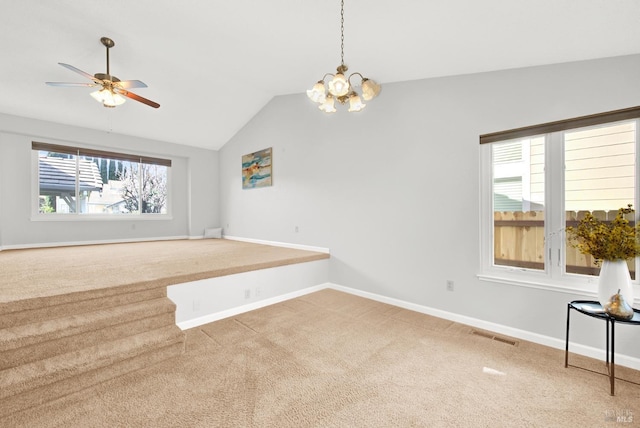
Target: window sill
pixel 560 288
pixel 101 217
pixel 586 288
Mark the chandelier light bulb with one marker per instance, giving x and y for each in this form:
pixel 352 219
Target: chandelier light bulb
pixel 355 104
pixel 328 106
pixel 370 89
pixel 338 86
pixel 317 93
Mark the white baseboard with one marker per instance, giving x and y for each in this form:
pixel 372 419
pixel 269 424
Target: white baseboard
pixel 195 322
pixel 588 351
pixel 576 348
pixel 93 242
pixel 162 238
pixel 278 244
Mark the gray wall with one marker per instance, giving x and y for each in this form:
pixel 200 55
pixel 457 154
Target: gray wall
pixel 195 187
pixel 393 191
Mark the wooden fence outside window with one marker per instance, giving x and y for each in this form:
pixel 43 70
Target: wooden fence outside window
pixel 519 241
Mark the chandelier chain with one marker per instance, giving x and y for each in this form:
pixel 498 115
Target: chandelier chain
pixel 342 32
pixel 339 87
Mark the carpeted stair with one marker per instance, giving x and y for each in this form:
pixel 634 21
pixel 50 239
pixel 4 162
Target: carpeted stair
pixel 54 346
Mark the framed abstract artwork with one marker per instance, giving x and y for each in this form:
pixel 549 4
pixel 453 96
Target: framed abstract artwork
pixel 257 169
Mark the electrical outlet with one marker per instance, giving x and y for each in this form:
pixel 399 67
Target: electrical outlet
pixel 196 305
pixel 296 229
pixel 449 285
pixel 247 293
pixel 257 292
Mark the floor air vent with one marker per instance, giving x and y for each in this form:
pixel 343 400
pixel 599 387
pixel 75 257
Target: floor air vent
pixel 493 337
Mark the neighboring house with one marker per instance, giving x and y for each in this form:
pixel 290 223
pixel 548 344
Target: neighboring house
pixel 109 200
pixel 57 179
pixel 512 176
pixel 599 171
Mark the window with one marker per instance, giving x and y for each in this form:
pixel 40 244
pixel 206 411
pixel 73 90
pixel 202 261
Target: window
pixel 73 180
pixel 599 177
pixel 538 180
pixel 518 203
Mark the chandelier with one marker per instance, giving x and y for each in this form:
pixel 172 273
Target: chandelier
pixel 340 87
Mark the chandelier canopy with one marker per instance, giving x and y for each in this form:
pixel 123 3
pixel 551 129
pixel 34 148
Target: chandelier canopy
pixel 340 87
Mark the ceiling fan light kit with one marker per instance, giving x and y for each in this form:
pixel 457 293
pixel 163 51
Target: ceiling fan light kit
pixel 108 97
pixel 114 91
pixel 340 87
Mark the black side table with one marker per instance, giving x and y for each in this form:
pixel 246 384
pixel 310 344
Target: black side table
pixel 594 309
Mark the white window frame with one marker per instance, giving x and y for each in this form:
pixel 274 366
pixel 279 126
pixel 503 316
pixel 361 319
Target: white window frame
pixel 553 277
pixel 36 215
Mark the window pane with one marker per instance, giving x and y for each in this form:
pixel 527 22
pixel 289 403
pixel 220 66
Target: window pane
pixel 56 182
pixel 518 203
pixel 129 188
pixel 90 183
pixel 154 189
pixel 109 200
pixel 599 178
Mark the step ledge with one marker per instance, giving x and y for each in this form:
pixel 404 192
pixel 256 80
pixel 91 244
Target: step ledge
pixel 51 393
pixel 12 338
pixel 39 373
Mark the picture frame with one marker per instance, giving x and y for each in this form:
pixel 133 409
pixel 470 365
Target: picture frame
pixel 257 169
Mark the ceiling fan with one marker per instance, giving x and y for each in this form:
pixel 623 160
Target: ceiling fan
pixel 113 89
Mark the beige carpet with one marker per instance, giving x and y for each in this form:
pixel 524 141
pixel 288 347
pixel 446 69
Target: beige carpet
pixel 45 272
pixel 72 317
pixel 330 359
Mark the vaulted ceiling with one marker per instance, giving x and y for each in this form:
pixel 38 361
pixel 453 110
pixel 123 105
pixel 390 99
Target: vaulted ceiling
pixel 212 65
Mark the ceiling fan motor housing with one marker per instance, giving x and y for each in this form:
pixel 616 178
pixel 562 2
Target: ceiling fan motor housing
pixel 103 76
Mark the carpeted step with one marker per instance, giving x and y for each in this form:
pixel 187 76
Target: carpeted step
pixel 90 302
pixel 30 342
pixel 44 380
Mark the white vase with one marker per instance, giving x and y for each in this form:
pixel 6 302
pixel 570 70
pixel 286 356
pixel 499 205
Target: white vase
pixel 614 276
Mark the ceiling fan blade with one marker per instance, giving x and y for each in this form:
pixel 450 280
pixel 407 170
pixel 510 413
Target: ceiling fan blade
pixel 90 85
pixel 127 84
pixel 80 72
pixel 137 97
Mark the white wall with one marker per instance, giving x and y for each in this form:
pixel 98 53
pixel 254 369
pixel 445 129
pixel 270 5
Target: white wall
pixel 393 191
pixel 208 300
pixel 194 192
